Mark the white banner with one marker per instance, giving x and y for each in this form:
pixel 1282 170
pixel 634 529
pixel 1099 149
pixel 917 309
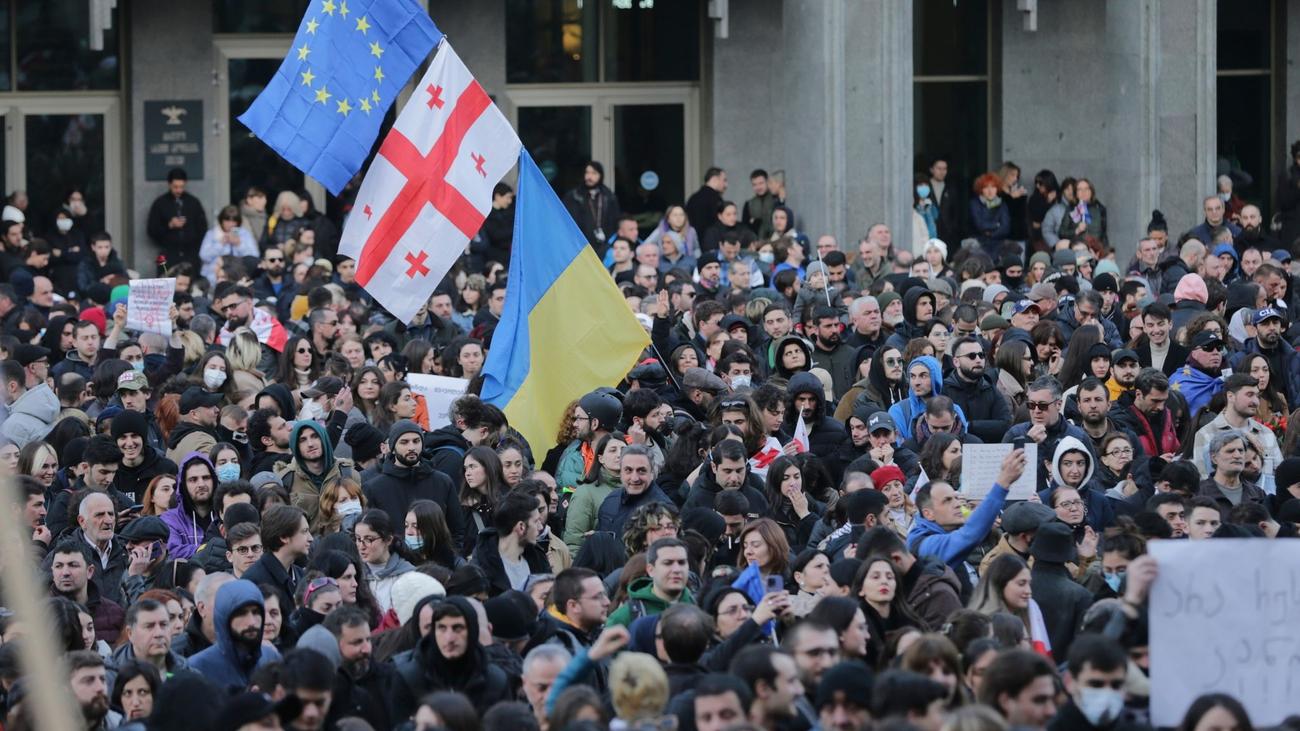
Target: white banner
pixel 438 393
pixel 1224 614
pixel 149 305
pixel 981 463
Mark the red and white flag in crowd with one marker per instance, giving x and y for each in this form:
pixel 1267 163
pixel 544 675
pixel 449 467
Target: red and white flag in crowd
pixel 264 326
pixel 430 187
pixel 801 435
pixel 765 456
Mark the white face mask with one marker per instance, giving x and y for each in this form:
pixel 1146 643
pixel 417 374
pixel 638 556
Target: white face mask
pixel 739 382
pixel 311 410
pixel 214 377
pixel 64 224
pixel 348 507
pixel 1100 706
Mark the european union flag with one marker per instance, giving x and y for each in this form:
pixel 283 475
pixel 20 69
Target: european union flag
pixel 322 109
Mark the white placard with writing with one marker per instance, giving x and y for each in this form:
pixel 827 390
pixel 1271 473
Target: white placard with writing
pixel 981 463
pixel 1224 614
pixel 149 304
pixel 438 393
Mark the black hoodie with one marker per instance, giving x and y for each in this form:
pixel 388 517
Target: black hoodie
pixel 424 670
pixel 283 397
pixel 824 432
pixel 133 481
pixel 910 327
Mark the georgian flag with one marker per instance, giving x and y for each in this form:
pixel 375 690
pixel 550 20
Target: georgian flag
pixel 429 188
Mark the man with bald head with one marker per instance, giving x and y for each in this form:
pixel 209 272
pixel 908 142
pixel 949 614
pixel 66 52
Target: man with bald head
pixel 1189 260
pixel 96 529
pixel 1254 234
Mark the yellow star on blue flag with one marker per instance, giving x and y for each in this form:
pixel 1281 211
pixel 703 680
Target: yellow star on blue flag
pixel 289 115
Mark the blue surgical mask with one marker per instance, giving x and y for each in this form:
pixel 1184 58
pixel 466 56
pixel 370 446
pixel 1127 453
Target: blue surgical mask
pixel 1113 581
pixel 922 191
pixel 228 472
pixel 414 543
pixel 138 365
pixel 766 257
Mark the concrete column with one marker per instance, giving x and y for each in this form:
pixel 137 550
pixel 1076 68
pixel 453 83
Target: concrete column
pixel 845 115
pixel 744 96
pixel 166 33
pixel 1291 77
pixel 1123 95
pixel 477 31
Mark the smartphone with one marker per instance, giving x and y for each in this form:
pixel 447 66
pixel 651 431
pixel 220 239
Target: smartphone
pixel 774 584
pixel 1019 442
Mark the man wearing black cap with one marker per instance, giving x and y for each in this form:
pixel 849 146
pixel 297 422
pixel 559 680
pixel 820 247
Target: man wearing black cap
pixel 1283 360
pixel 1062 600
pixel 196 431
pixel 699 389
pixel 404 476
pixel 597 414
pixel 843 697
pixel 146 548
pixel 366 443
pixel 140 462
pixel 1019 524
pixel 1124 368
pixel 1201 376
pixel 133 391
pixel 35 360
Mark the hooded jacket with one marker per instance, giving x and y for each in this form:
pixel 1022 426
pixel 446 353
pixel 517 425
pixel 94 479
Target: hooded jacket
pixel 706 488
pixel 226 663
pixel 880 392
pixel 283 398
pixel 641 593
pixel 187 528
pixel 305 486
pixel 1101 514
pixel 187 438
pixel 424 670
pixel 824 432
pixel 487 556
pixel 774 364
pixel 905 412
pixel 133 481
pixel 910 327
pixel 31 416
pixel 1055 433
pixel 444 449
pixel 1069 323
pixel 392 486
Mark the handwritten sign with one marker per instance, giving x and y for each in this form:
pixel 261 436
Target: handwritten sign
pixel 1223 618
pixel 981 463
pixel 148 306
pixel 438 392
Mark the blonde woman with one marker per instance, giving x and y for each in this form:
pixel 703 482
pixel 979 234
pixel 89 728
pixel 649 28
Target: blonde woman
pixel 337 506
pixel 193 346
pixel 245 353
pixel 284 224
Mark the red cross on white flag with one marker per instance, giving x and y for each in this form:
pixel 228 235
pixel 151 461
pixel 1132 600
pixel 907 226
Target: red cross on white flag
pixel 430 187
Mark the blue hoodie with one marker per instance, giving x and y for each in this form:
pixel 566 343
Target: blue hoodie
pixel 225 663
pixel 905 412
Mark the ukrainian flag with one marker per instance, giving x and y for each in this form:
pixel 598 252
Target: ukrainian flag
pixel 566 329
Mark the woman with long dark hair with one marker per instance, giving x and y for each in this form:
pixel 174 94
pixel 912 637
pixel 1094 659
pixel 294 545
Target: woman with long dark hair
pixel 876 584
pixel 427 537
pixel 373 534
pixel 793 509
pixel 299 365
pixel 345 567
pixel 481 486
pixel 941 458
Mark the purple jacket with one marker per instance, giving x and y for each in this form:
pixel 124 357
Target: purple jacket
pixel 187 528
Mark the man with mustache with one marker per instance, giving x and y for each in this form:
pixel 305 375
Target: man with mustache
pixel 89 683
pixel 238 651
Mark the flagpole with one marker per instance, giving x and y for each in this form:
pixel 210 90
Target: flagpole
pixel 826 277
pixel 667 368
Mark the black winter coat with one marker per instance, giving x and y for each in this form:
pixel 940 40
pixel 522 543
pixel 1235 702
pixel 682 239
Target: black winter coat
pixel 392 488
pixel 988 416
pixel 1063 601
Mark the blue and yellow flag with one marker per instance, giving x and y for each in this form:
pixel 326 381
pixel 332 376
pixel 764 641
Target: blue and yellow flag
pixel 322 109
pixel 566 328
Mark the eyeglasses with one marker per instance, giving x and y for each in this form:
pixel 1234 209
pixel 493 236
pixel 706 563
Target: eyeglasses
pixel 893 361
pixel 734 403
pixel 1040 405
pixel 367 540
pixel 1121 452
pixel 972 356
pixel 1209 348
pixel 276 260
pixel 252 550
pixel 1070 504
pixel 738 609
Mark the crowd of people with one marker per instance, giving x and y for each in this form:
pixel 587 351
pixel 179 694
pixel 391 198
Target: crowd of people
pixel 255 522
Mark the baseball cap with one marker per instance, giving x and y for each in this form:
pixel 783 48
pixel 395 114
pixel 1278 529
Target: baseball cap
pixel 1122 354
pixel 1264 314
pixel 880 420
pixel 1020 306
pixel 196 398
pixel 325 385
pixel 132 380
pixel 1205 338
pixel 27 354
pixel 1281 255
pixel 703 380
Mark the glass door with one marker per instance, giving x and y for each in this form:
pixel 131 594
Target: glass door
pixel 649 159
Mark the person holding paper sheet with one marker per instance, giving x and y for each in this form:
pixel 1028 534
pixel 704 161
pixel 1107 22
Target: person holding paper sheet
pixel 1046 425
pixel 941 530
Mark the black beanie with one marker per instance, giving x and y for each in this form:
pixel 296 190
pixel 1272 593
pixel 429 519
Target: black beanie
pixel 365 441
pixel 129 422
pixel 402 426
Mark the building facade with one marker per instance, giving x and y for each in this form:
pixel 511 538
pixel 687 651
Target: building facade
pixel 846 99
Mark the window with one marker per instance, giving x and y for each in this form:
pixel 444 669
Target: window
pixel 586 41
pixel 952 59
pixel 259 16
pixel 53 50
pixel 1244 99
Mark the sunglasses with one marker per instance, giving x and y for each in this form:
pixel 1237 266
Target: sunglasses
pixel 1039 405
pixel 893 361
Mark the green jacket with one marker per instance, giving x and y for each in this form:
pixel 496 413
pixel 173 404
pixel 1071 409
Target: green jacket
pixel 571 469
pixel 642 602
pixel 584 507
